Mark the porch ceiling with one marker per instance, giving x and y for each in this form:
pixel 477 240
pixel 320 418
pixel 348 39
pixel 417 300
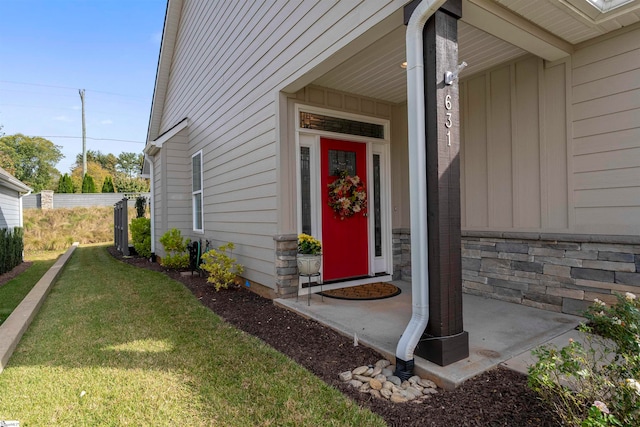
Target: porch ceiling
pixel 558 25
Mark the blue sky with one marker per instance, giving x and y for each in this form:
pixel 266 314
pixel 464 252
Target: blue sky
pixel 50 49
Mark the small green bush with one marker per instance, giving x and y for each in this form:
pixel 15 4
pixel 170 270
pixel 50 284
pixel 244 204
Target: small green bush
pixel 597 384
pixel 107 185
pixel 141 236
pixel 11 247
pixel 222 268
pixel 88 184
pixel 141 206
pixel 175 248
pixel 65 185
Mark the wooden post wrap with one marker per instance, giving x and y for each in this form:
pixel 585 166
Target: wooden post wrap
pixel 444 341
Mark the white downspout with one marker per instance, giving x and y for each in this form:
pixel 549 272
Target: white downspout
pixel 417 188
pixel 152 202
pixel 21 217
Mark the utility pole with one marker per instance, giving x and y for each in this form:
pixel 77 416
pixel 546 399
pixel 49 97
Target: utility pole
pixel 84 137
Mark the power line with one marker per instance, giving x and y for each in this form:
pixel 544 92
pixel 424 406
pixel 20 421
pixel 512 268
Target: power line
pixel 93 139
pixel 72 88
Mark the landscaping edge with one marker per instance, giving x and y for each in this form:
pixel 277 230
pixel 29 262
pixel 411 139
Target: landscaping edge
pixel 14 327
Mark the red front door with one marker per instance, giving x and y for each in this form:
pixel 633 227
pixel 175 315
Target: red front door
pixel 345 245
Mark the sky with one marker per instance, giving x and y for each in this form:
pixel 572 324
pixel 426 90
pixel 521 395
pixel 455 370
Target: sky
pixel 50 49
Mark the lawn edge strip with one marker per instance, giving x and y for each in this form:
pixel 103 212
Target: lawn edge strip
pixel 14 327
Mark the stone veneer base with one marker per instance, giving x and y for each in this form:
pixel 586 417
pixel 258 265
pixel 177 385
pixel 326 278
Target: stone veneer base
pixel 556 272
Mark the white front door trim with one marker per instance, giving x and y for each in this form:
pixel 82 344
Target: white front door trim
pixel 375 146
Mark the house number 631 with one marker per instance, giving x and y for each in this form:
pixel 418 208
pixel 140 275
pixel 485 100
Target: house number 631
pixel 448 123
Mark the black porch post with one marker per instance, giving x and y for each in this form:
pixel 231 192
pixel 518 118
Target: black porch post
pixel 444 341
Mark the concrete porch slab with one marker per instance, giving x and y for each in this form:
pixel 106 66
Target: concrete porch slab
pixel 498 330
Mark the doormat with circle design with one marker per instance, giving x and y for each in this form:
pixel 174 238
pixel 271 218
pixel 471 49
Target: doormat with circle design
pixel 369 291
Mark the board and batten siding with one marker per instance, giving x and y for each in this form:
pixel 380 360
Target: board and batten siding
pixel 606 135
pixel 231 60
pixel 513 148
pixel 9 208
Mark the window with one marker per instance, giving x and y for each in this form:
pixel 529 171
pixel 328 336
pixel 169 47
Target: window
pixel 196 190
pixel 305 188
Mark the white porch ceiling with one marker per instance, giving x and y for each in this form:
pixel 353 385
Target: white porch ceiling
pixel 375 71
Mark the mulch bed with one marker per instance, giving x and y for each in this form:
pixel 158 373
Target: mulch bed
pixel 16 271
pixel 499 397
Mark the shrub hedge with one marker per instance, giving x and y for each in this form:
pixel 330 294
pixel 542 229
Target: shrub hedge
pixel 11 246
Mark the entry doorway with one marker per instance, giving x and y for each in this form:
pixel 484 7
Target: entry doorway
pixel 356 249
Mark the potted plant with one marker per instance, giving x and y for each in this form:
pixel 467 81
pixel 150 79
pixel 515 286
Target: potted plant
pixel 309 254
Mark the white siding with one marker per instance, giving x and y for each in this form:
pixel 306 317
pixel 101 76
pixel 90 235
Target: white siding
pixel 606 135
pixel 231 59
pixel 9 208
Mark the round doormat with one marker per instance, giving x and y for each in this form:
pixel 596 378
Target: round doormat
pixel 364 292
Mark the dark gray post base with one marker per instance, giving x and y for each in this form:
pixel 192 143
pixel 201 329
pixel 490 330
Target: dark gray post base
pixel 444 350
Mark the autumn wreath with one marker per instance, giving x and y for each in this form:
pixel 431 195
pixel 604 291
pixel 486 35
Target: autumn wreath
pixel 347 196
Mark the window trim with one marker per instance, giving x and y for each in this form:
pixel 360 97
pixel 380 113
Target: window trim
pixel 195 193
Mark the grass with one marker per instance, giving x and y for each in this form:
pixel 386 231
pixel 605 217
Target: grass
pixel 14 291
pixel 57 229
pixel 116 345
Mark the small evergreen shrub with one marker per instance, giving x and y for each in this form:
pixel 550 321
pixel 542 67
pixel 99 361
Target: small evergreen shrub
pixel 11 246
pixel 65 185
pixel 175 248
pixel 222 268
pixel 107 185
pixel 88 184
pixel 141 236
pixel 141 206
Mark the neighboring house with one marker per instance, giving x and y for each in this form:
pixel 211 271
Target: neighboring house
pixel 12 191
pixel 252 99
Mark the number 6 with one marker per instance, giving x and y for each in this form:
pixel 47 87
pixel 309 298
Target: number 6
pixel 447 102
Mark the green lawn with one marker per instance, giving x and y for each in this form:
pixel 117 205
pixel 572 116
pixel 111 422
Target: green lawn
pixel 14 291
pixel 115 345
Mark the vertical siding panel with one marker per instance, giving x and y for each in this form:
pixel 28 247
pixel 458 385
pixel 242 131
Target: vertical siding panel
pixel 499 149
pixel 556 147
pixel 475 146
pixel 527 144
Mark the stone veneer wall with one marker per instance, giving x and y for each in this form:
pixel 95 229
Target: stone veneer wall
pixel 556 272
pixel 286 265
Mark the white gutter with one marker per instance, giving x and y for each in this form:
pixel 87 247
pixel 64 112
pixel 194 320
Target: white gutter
pixel 150 160
pixel 417 185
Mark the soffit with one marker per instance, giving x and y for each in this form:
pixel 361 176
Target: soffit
pixel 572 23
pixel 375 71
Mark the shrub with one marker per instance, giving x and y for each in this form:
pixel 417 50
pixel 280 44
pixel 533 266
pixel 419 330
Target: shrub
pixel 88 185
pixel 107 185
pixel 11 246
pixel 596 384
pixel 65 185
pixel 141 206
pixel 175 247
pixel 222 268
pixel 141 236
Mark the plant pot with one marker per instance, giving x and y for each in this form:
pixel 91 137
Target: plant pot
pixel 309 264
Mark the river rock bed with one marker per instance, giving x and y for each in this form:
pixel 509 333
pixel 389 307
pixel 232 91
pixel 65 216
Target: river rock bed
pixel 379 381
